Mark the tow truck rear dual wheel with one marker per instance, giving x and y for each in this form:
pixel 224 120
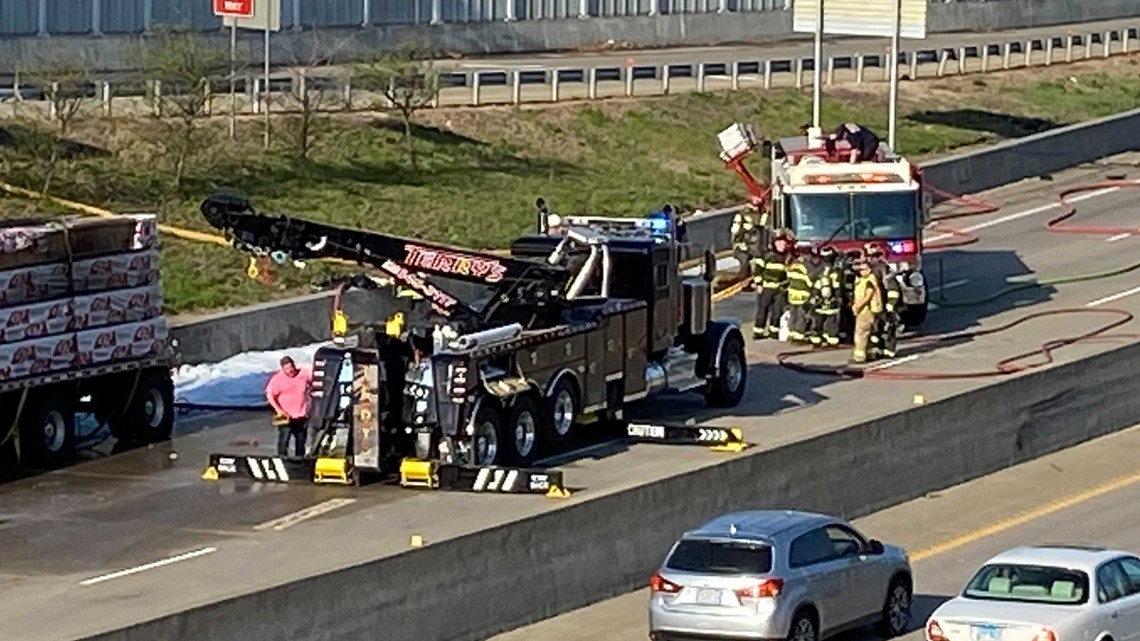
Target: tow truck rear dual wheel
pixel 487 436
pixel 522 426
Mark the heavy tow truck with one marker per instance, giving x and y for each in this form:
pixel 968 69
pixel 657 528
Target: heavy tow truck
pixel 581 319
pixel 826 200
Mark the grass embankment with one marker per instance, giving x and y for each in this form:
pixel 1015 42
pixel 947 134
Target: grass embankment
pixel 480 170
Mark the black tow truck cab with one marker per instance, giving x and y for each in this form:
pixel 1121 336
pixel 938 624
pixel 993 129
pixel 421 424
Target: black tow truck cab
pixel 623 325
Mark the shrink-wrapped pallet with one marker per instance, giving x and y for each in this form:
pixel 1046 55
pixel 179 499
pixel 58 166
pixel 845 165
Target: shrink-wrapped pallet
pixel 25 243
pixel 34 320
pixel 116 306
pixel 37 356
pixel 33 284
pixel 115 272
pixel 121 342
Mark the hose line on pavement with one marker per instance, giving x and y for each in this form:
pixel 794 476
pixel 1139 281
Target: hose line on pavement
pixel 1019 362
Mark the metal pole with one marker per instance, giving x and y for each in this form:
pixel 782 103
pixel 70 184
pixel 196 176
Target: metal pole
pixel 817 71
pixel 233 78
pixel 265 89
pixel 894 98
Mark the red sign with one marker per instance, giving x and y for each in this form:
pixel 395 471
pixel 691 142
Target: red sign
pixel 491 271
pixel 234 8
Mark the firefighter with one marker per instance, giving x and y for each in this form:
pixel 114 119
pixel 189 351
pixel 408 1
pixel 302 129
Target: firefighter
pixel 799 298
pixel 866 307
pixel 746 226
pixel 770 279
pixel 816 270
pixel 829 296
pixel 864 143
pixel 886 336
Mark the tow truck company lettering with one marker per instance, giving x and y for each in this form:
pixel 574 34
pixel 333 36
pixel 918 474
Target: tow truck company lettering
pixel 440 299
pixel 489 270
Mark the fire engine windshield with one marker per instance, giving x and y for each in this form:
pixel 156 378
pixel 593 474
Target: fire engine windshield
pixel 868 216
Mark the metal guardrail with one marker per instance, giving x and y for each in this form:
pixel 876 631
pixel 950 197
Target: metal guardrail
pixel 517 86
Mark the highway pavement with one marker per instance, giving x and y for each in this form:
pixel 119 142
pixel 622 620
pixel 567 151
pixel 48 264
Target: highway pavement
pixel 142 531
pixel 1084 495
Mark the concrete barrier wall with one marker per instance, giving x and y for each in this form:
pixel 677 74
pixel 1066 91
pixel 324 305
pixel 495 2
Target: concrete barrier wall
pixel 297 322
pixel 114 53
pixel 525 571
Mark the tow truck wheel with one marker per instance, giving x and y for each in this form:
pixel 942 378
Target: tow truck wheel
pixel 48 432
pixel 486 439
pixel 562 411
pixel 521 429
pixel 727 388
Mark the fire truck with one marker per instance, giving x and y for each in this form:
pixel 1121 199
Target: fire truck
pixel 826 200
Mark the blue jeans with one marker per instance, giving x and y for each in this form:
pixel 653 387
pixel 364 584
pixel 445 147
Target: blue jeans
pixel 295 430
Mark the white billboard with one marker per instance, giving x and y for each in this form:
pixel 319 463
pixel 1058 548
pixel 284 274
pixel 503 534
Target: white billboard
pixel 266 16
pixel 875 18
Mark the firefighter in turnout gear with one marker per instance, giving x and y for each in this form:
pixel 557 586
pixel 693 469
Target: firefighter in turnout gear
pixel 866 307
pixel 828 299
pixel 885 338
pixel 816 269
pixel 746 240
pixel 770 280
pixel 799 299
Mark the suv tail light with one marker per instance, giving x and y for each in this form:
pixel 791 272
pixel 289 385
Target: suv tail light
pixel 769 589
pixel 658 583
pixel 1045 634
pixel 934 631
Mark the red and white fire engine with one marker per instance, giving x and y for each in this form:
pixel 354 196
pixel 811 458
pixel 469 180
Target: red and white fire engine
pixel 827 200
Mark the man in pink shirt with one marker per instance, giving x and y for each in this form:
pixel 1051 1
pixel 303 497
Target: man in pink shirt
pixel 288 395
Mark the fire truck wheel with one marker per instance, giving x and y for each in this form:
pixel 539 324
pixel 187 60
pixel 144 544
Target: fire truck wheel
pixel 48 428
pixel 521 430
pixel 727 388
pixel 561 413
pixel 913 315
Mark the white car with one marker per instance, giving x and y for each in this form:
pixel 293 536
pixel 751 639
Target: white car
pixel 1046 593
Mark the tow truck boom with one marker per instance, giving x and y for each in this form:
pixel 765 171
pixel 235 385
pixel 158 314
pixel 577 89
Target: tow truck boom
pixel 527 290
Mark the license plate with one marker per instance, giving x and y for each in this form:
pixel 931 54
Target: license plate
pixel 708 597
pixel 986 633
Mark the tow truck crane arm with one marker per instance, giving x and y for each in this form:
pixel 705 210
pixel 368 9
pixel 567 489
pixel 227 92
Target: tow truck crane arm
pixel 514 282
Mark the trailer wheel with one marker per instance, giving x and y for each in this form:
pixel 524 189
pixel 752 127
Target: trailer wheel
pixel 49 429
pixel 150 416
pixel 561 413
pixel 521 429
pixel 727 388
pixel 487 436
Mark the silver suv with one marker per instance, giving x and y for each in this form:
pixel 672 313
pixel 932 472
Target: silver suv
pixel 778 575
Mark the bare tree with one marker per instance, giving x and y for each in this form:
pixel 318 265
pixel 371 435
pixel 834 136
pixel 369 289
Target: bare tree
pixel 408 80
pixel 67 88
pixel 183 67
pixel 312 57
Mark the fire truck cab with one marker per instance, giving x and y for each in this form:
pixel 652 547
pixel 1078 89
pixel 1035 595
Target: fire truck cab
pixel 825 199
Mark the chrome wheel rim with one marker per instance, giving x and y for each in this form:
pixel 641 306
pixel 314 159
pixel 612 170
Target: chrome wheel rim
pixel 733 372
pixel 899 609
pixel 486 443
pixel 804 631
pixel 154 408
pixel 54 431
pixel 563 412
pixel 526 429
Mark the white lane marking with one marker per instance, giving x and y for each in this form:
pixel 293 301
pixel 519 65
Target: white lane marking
pixel 1022 214
pixel 1113 239
pixel 313 511
pixel 893 363
pixel 951 285
pixel 1108 299
pixel 149 566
